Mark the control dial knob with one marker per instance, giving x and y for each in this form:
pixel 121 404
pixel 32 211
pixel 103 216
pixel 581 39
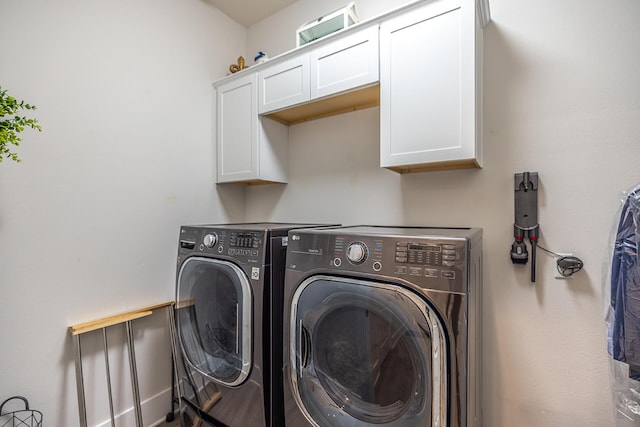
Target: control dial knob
pixel 210 240
pixel 357 252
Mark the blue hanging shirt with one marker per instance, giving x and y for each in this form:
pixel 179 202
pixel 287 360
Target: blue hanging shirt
pixel 624 327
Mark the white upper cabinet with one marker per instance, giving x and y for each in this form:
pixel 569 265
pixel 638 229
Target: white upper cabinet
pixel 430 87
pixel 344 64
pixel 284 84
pixel 250 148
pixel 421 63
pixel 326 68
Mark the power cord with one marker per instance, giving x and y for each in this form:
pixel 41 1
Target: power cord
pixel 566 265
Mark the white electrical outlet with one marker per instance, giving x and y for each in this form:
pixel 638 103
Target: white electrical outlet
pixel 555 266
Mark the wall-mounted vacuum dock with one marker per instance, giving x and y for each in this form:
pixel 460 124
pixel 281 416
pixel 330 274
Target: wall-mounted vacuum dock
pixel 526 219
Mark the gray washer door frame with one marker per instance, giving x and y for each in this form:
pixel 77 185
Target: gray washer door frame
pixel 214 317
pixel 345 333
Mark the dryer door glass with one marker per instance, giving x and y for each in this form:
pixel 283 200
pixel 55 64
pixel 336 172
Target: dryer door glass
pixel 214 319
pixel 366 353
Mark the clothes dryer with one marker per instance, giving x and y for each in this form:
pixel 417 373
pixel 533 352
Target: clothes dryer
pixel 382 327
pixel 229 295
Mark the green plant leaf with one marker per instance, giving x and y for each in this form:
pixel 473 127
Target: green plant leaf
pixel 11 127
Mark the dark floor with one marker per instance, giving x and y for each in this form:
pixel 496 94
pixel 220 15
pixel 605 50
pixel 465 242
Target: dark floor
pixel 174 423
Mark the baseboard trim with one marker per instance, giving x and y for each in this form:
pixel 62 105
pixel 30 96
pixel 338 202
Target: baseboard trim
pixel 154 408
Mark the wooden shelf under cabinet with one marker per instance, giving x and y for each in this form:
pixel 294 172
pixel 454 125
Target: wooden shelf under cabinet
pixel 330 106
pixel 437 166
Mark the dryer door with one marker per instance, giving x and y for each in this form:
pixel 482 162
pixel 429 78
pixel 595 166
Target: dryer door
pixel 214 316
pixel 367 353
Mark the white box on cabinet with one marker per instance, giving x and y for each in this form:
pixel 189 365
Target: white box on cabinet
pixel 327 24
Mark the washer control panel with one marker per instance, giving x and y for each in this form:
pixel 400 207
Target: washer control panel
pixel 246 246
pixel 418 260
pixel 438 260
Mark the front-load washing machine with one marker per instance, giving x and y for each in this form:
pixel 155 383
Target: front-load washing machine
pixel 228 304
pixel 382 327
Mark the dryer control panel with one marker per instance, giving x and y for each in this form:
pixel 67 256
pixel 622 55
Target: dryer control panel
pixel 430 262
pixel 244 246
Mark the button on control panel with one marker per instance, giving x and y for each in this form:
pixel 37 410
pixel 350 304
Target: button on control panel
pixel 352 252
pixel 245 240
pixel 244 244
pixel 243 252
pixel 210 240
pixel 357 252
pixel 425 254
pixel 431 260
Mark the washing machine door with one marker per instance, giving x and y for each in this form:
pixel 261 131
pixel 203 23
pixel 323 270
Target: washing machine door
pixel 366 353
pixel 214 316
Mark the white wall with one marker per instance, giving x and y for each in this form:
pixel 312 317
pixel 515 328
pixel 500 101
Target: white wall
pixel 561 98
pixel 89 221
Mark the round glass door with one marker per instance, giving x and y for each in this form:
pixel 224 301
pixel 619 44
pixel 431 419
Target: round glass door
pixel 214 319
pixel 366 353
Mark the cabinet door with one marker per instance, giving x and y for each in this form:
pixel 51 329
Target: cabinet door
pixel 237 126
pixel 427 87
pixel 344 64
pixel 284 84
